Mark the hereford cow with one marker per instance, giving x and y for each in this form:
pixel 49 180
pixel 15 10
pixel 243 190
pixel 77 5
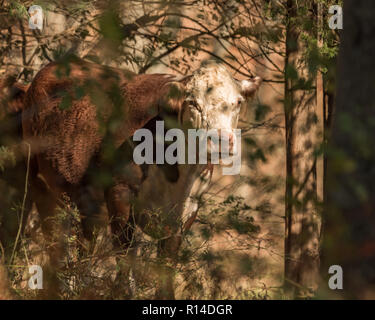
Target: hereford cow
pixel 79 120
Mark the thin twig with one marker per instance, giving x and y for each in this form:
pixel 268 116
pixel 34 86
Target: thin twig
pixel 23 202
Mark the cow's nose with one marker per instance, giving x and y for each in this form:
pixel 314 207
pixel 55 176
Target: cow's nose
pixel 228 137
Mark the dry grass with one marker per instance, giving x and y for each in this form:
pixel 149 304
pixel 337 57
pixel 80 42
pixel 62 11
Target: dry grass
pixel 216 261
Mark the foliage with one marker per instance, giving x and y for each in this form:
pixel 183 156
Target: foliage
pixel 248 37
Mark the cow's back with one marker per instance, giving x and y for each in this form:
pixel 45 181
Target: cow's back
pixel 65 136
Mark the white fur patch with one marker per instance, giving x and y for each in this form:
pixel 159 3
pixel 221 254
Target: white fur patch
pixel 216 98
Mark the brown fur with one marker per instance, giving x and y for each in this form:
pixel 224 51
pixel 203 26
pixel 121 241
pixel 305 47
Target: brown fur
pixel 69 138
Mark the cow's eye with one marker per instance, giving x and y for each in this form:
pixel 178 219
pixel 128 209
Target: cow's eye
pixel 239 101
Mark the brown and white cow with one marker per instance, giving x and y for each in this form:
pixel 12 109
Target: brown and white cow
pixel 70 145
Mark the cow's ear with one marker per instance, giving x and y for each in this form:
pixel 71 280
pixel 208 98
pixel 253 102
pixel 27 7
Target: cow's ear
pixel 249 87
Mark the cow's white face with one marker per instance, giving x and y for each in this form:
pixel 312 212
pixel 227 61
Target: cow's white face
pixel 215 99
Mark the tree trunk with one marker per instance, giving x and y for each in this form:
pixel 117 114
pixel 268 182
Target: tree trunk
pixel 349 234
pixel 302 223
pixel 291 266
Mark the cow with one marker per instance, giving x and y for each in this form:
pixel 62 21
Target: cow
pixel 79 119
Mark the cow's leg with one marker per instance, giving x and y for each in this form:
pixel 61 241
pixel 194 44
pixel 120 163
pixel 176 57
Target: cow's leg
pixel 47 198
pixel 46 206
pixel 167 253
pixel 119 203
pixel 88 203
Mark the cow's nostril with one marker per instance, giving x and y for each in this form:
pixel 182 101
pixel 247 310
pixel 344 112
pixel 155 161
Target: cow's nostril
pixel 231 139
pixel 227 136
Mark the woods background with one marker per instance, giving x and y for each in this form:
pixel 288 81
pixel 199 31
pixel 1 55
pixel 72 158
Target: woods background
pixel 258 235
